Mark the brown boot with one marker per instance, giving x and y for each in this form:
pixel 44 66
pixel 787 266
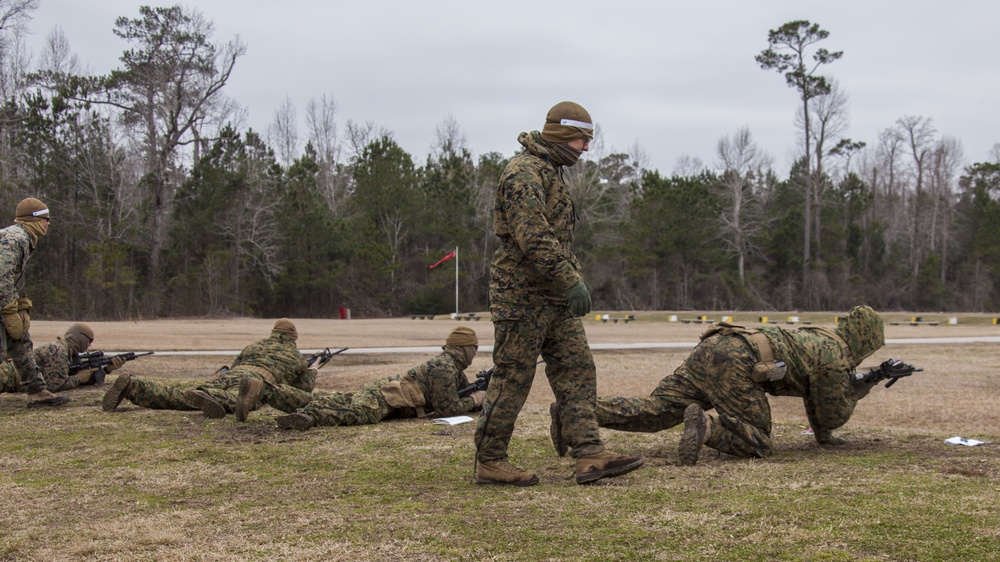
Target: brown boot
pixel 301 422
pixel 555 430
pixel 118 392
pixel 45 398
pixel 694 435
pixel 605 465
pixel 204 402
pixel 250 388
pixel 502 473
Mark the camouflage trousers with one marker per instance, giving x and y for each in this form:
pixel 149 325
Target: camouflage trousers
pixel 159 395
pixel 362 407
pixel 717 374
pixel 560 339
pixel 284 397
pixel 10 379
pixel 22 353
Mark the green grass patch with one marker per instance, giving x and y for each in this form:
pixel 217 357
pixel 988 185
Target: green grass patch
pixel 144 485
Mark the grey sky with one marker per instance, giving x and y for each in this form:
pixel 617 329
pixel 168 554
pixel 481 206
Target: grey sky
pixel 672 77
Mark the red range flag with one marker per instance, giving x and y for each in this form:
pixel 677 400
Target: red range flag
pixel 442 260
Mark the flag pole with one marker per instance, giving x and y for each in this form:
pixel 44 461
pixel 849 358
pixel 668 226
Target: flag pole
pixel 456 280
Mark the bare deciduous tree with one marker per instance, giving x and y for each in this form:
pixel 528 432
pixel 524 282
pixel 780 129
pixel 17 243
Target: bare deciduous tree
pixel 945 166
pixel 449 138
pixel 830 120
pixel 359 136
pixel 918 136
pixel 322 125
pixel 688 166
pixel 740 160
pixel 283 133
pixel 56 55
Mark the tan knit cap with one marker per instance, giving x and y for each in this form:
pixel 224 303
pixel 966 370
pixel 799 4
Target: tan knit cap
pixel 462 336
pixel 30 210
pixel 80 335
pixel 567 121
pixel 285 326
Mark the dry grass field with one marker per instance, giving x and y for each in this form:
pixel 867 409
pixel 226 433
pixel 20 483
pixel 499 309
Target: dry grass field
pixel 79 483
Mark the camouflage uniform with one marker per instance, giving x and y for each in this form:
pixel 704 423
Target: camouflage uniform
pixel 53 359
pixel 718 374
pixel 531 271
pixel 438 380
pixel 274 359
pixel 16 246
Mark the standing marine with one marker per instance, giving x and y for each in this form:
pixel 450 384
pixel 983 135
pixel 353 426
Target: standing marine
pixel 537 296
pixel 17 243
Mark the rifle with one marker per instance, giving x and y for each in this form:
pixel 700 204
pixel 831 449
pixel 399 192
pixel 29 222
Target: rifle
pixel 892 369
pixel 324 357
pixel 482 381
pixel 88 355
pixel 96 360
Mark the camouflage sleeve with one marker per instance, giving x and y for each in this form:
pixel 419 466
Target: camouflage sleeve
pixel 523 204
pixel 443 380
pixel 306 380
pixel 10 379
pixel 53 362
pixel 243 354
pixel 11 255
pixel 829 403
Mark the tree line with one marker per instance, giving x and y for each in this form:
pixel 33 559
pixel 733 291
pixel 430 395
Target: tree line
pixel 163 206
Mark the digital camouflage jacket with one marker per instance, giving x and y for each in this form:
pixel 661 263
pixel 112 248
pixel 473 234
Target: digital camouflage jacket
pixel 534 218
pixel 278 356
pixel 819 368
pixel 54 360
pixel 15 249
pixel 440 379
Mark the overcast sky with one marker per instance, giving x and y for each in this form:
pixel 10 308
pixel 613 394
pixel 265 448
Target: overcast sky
pixel 670 77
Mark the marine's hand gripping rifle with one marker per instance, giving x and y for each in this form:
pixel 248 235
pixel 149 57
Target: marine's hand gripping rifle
pixel 892 369
pixel 323 357
pixel 482 381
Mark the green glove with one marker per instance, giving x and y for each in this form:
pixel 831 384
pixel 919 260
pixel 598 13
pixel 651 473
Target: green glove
pixel 579 299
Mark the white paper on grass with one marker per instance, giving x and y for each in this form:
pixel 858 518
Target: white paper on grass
pixel 454 420
pixel 963 441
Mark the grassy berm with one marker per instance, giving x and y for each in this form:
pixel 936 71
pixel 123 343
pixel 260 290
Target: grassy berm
pixel 77 483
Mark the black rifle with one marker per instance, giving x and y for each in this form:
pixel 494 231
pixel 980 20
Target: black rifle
pixel 324 357
pixel 892 369
pixel 482 381
pixel 87 355
pixel 96 360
